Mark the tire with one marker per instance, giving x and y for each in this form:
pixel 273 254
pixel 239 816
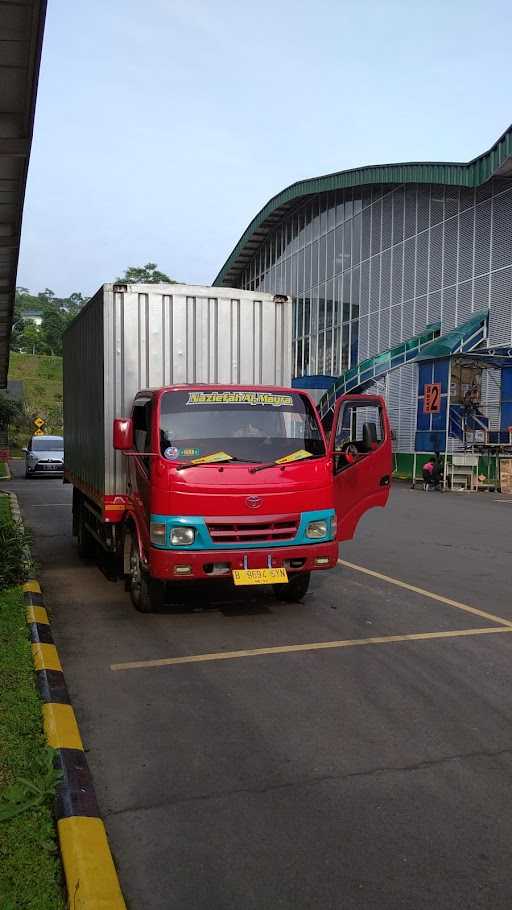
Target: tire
pixel 147 594
pixel 27 475
pixel 294 590
pixel 86 543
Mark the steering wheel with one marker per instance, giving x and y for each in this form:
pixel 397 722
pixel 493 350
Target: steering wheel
pixel 348 452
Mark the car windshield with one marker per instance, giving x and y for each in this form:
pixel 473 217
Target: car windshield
pixel 248 425
pixel 43 444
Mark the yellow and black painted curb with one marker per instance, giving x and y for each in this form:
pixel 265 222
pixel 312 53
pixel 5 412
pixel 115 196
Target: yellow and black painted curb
pixel 91 877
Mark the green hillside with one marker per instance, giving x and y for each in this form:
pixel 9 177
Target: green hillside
pixel 41 376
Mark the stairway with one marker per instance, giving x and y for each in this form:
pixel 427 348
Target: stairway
pixel 361 376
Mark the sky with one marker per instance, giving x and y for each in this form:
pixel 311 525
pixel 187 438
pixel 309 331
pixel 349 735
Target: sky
pixel 163 127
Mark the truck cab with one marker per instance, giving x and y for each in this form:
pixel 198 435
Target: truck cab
pixel 244 482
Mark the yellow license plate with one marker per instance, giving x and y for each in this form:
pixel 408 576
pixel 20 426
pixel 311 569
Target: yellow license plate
pixel 260 576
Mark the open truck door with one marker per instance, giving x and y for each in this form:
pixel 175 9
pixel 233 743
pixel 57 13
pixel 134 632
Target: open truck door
pixel 361 449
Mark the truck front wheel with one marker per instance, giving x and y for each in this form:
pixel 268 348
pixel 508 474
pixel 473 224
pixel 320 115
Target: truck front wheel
pixel 295 589
pixel 147 594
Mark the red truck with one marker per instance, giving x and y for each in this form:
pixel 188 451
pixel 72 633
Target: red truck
pixel 214 480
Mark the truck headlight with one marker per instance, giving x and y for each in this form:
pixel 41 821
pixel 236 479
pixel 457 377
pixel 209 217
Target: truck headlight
pixel 316 529
pixel 157 533
pixel 334 525
pixel 182 537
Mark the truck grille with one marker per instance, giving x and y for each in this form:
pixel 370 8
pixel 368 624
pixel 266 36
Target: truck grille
pixel 279 527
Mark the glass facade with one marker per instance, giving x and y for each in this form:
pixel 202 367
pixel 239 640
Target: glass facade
pixel 369 268
pixel 312 256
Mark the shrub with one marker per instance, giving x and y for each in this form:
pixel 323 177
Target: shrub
pixel 15 560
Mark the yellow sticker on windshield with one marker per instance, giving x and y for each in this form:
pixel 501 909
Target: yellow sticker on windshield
pixel 294 456
pixel 215 456
pixel 241 397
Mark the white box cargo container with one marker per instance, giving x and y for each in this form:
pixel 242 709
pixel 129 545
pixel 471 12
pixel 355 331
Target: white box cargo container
pixel 133 337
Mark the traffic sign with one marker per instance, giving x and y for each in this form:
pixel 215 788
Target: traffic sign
pixel 39 422
pixel 38 433
pixel 432 398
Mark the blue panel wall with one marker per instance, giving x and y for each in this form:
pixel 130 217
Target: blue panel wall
pixel 431 428
pixel 429 441
pixel 506 398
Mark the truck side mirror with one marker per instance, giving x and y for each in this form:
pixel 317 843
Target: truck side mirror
pixel 123 435
pixel 370 437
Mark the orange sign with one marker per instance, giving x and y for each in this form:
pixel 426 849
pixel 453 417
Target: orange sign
pixel 432 399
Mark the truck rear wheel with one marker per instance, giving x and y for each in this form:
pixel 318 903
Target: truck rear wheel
pixel 295 589
pixel 147 594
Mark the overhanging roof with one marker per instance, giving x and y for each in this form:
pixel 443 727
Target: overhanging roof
pixel 497 162
pixel 21 37
pixel 462 338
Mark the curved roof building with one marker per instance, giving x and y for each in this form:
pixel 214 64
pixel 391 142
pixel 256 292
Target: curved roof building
pixel 376 256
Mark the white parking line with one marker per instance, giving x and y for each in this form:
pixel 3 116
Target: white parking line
pixel 309 646
pixel 424 593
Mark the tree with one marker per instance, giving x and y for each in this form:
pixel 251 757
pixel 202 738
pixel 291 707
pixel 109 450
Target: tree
pixel 31 340
pixel 57 313
pixel 10 411
pixel 52 328
pixel 45 297
pixel 146 274
pixel 76 300
pixel 18 329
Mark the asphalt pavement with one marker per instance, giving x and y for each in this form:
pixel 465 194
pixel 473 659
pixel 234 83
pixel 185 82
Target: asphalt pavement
pixel 374 772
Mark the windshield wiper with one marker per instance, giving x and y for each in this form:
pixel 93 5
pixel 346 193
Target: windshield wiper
pixel 201 464
pixel 283 464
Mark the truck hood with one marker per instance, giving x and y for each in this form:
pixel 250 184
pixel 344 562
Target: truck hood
pixel 234 490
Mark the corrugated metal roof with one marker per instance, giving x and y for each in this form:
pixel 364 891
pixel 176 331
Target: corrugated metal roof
pixel 21 37
pixel 496 161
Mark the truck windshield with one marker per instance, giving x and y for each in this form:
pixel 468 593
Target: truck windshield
pixel 247 425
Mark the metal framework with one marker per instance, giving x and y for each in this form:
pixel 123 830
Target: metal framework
pixel 360 377
pixel 21 38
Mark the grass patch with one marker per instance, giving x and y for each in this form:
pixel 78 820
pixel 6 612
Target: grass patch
pixel 15 560
pixel 41 376
pixel 35 366
pixel 4 474
pixel 30 871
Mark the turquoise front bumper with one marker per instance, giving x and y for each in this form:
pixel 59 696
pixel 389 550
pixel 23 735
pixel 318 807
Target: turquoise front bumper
pixel 203 541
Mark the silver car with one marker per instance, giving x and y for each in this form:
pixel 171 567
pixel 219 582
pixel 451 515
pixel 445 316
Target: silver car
pixel 44 455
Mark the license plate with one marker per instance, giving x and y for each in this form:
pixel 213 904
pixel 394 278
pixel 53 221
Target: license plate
pixel 260 576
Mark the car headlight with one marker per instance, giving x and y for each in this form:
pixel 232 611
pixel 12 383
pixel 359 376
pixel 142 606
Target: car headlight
pixel 157 532
pixel 316 529
pixel 182 536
